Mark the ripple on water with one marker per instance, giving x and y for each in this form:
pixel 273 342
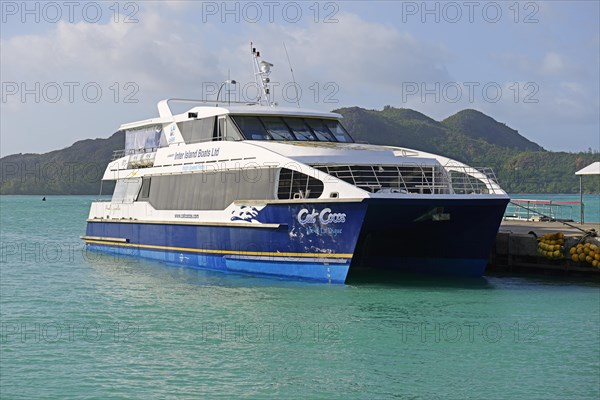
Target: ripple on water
pixel 98 327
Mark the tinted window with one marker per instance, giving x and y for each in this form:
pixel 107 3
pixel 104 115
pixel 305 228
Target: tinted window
pixel 145 190
pixel 300 129
pixel 211 190
pixel 277 128
pixel 252 128
pixel 296 185
pixel 199 130
pixel 291 128
pixel 338 131
pixel 320 130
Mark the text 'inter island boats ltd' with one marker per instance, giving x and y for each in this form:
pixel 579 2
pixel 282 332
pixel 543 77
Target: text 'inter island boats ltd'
pixel 282 191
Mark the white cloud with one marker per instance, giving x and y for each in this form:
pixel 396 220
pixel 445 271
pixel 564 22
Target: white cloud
pixel 170 53
pixel 358 52
pixel 366 62
pixel 515 61
pixel 363 59
pixel 159 65
pixel 573 87
pixel 553 63
pixel 84 52
pixel 168 57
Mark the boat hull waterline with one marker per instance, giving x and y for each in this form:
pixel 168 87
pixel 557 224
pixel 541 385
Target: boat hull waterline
pixel 319 241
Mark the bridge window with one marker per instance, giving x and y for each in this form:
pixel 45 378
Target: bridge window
pixel 197 130
pixel 291 128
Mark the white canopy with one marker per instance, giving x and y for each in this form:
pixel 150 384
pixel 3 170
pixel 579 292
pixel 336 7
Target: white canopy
pixel 592 169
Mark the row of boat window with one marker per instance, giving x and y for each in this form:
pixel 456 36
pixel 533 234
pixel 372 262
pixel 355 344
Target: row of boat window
pixel 291 128
pixel 216 190
pixel 242 127
pixel 208 129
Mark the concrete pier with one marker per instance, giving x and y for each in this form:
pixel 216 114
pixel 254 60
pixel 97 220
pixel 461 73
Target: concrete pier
pixel 515 249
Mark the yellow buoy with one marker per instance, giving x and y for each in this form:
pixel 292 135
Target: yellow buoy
pixel 588 259
pixel 556 253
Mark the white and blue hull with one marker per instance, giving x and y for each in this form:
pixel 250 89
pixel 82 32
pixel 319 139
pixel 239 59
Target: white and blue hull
pixel 321 241
pixel 276 191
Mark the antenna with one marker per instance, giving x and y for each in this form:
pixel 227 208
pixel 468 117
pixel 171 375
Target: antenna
pixel 292 71
pixel 262 70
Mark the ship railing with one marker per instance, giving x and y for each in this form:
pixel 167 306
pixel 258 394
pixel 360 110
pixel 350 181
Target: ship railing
pixel 118 154
pixel 540 210
pixel 127 152
pixel 473 180
pixel 409 178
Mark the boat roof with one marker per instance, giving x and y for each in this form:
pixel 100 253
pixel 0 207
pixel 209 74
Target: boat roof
pixel 212 109
pixel 256 109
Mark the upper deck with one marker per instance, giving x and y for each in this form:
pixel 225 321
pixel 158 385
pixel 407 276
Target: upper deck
pixel 211 122
pixel 207 109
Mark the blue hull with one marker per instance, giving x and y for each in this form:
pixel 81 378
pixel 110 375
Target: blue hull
pixel 322 241
pixel 331 272
pixel 405 236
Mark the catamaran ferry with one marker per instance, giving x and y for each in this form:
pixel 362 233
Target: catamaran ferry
pixel 282 191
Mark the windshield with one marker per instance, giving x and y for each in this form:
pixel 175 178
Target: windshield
pixel 291 128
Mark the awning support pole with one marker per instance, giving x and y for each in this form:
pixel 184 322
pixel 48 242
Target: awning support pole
pixel 580 199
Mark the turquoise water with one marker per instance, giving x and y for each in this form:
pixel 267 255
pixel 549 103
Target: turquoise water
pixel 591 204
pixel 92 326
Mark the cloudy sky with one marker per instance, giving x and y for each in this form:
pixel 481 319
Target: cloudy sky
pixel 76 70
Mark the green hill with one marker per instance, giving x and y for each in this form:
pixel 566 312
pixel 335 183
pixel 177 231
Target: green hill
pixel 76 169
pixel 476 124
pixel 409 128
pixel 470 136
